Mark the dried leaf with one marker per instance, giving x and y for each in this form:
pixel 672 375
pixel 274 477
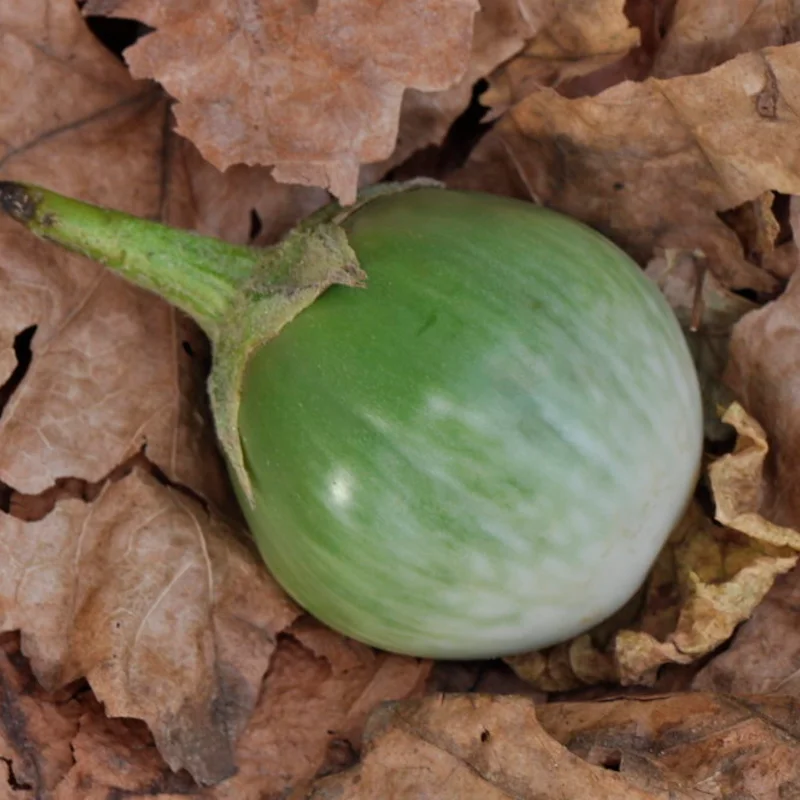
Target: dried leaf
pixel 736 480
pixel 310 717
pixel 109 360
pixel 652 163
pixel 705 34
pixel 35 730
pixel 763 372
pixel 764 655
pixel 782 261
pixel 117 758
pixel 340 67
pixel 501 29
pixel 470 746
pixel 299 728
pixel 694 745
pixel 580 37
pixel 168 615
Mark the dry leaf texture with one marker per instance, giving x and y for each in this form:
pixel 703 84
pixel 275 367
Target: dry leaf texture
pixel 694 745
pixel 312 88
pixel 764 656
pixel 474 747
pixel 113 367
pixel 35 730
pixel 577 37
pixel 704 34
pixel 113 370
pixel 763 372
pixel 551 40
pixel 310 716
pixel 652 163
pixel 172 619
pixel 501 29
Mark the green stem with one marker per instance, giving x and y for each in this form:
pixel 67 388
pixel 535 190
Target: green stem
pixel 200 275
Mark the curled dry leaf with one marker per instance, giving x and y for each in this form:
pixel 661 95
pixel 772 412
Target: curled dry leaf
pixel 470 747
pixel 763 370
pixel 694 745
pixel 652 163
pixel 707 580
pixel 563 41
pixel 168 615
pixel 341 68
pixel 737 478
pixel 764 655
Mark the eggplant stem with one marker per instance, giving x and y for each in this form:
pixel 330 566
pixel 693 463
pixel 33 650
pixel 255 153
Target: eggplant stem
pixel 200 275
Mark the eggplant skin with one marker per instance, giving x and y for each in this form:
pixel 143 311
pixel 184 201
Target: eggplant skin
pixel 482 452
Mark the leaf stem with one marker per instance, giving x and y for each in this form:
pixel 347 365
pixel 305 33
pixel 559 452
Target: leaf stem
pixel 200 275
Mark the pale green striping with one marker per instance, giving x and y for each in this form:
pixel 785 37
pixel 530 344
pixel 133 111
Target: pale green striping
pixel 460 460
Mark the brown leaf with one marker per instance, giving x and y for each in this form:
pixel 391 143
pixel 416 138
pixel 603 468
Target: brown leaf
pixel 694 745
pixel 115 757
pixel 311 714
pixel 579 37
pixel 704 34
pixel 736 481
pixel 501 29
pixel 563 42
pixel 114 369
pixel 107 359
pixel 314 89
pixel 652 163
pixel 764 655
pixel 62 746
pixel 763 372
pixel 171 619
pixel 470 746
pixel 35 730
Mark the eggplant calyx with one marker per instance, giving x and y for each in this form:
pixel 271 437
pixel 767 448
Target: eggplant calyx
pixel 293 274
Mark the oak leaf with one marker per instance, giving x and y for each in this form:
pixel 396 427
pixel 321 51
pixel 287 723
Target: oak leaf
pixel 312 88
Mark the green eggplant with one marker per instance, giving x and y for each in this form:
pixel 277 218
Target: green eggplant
pixel 458 425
